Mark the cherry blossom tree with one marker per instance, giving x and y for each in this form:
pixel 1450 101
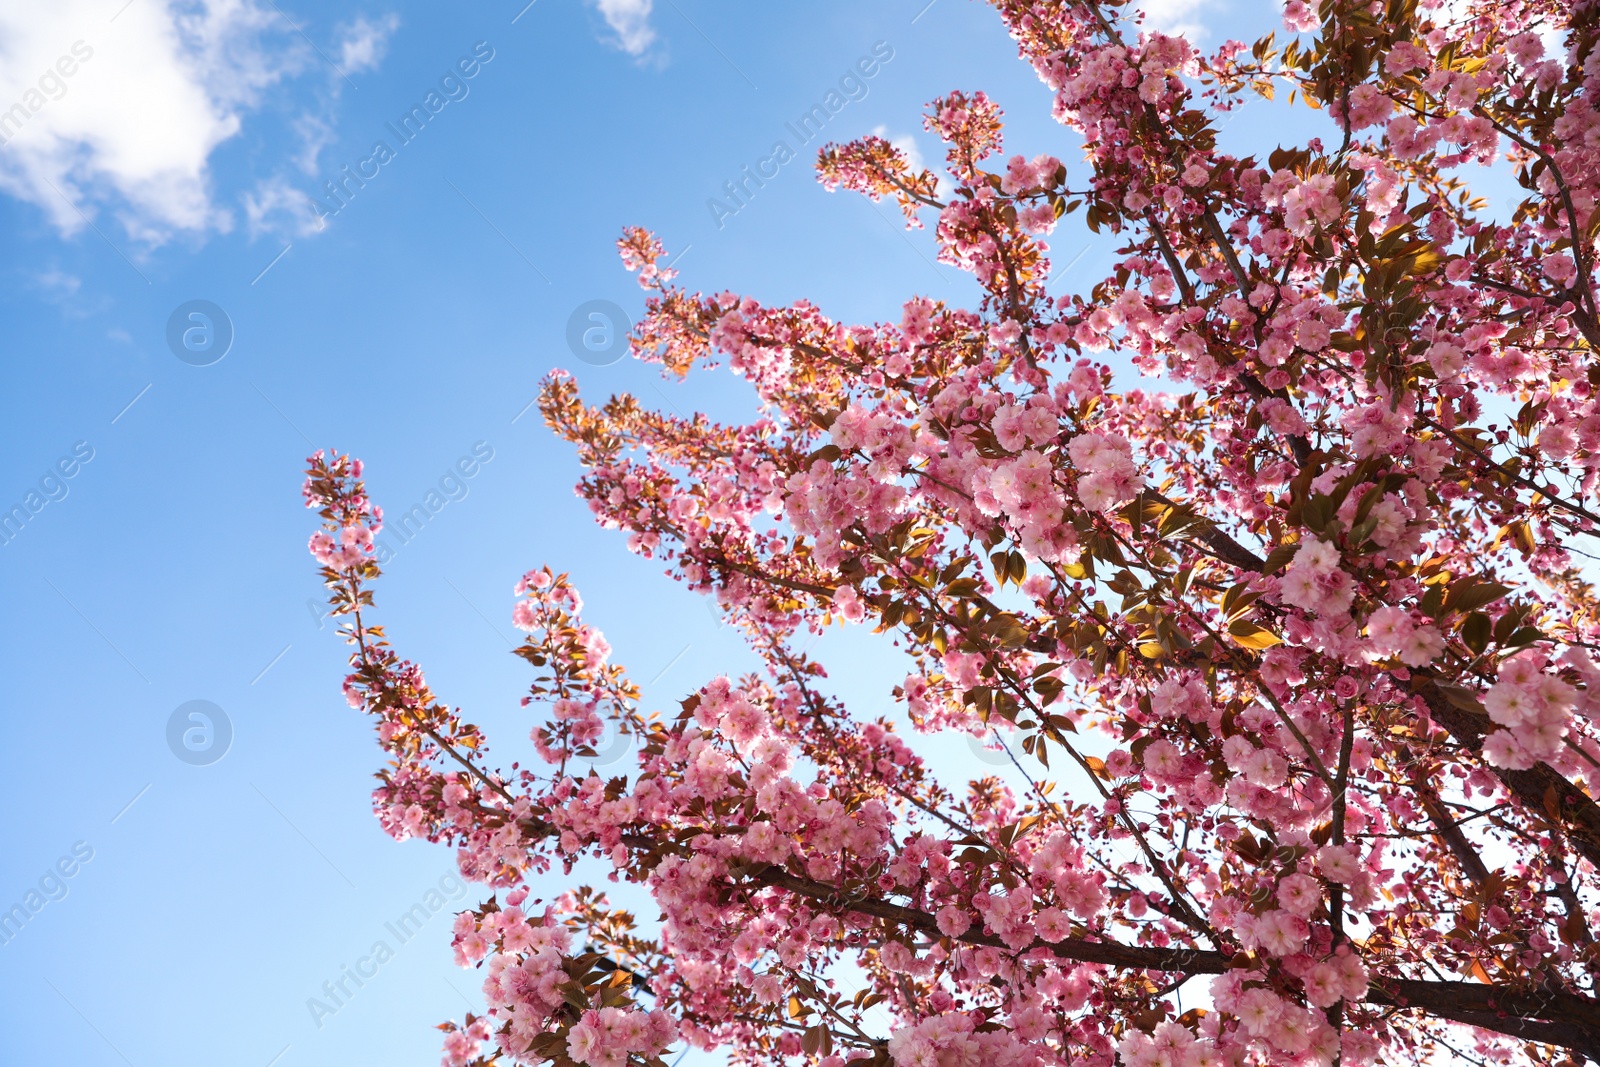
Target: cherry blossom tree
pixel 1299 632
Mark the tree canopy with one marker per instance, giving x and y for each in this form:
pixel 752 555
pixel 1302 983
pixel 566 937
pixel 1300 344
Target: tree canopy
pixel 1317 591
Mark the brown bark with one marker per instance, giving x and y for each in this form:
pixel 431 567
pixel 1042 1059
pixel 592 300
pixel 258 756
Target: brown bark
pixel 1539 788
pixel 1551 1016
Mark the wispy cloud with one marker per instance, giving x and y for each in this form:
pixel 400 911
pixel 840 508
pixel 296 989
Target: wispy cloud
pixel 630 21
pixel 274 206
pixel 316 133
pixel 65 291
pixel 365 41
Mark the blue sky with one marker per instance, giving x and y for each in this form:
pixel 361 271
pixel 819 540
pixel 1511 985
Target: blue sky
pixel 175 163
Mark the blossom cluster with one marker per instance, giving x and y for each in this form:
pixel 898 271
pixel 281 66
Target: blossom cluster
pixel 1299 628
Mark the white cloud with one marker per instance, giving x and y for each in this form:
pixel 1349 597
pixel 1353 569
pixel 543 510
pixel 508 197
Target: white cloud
pixel 630 20
pixel 65 291
pixel 153 91
pixel 316 133
pixel 59 282
pixel 149 97
pixel 1177 18
pixel 274 206
pixel 365 42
